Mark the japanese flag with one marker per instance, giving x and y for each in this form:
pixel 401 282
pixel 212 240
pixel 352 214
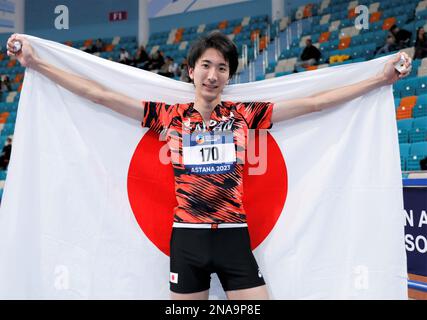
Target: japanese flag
pixel 87 205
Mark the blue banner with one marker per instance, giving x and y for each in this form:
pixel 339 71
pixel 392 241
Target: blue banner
pixel 415 202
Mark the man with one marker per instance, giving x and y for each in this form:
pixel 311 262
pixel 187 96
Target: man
pixel 423 163
pixel 402 36
pixel 389 46
pixel 5 154
pixel 124 56
pixel 309 56
pixel 168 69
pixel 210 232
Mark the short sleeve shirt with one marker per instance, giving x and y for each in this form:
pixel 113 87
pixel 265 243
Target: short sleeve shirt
pixel 208 161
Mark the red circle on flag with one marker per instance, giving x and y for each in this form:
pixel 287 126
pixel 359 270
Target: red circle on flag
pixel 151 191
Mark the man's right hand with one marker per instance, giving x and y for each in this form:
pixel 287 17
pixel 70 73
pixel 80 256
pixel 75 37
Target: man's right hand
pixel 26 55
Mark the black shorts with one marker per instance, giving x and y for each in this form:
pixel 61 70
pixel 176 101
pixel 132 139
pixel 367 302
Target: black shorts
pixel 197 253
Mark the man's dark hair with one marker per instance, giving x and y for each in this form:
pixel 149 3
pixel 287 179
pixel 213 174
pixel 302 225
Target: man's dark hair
pixel 215 40
pixel 392 28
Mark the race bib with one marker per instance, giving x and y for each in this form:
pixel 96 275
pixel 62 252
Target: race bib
pixel 209 152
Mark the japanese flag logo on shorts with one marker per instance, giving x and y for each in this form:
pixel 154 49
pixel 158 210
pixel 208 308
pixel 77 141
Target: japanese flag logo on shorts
pixel 173 277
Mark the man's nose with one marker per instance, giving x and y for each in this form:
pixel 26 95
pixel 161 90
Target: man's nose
pixel 212 75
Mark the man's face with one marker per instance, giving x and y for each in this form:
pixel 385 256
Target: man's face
pixel 210 74
pixel 308 43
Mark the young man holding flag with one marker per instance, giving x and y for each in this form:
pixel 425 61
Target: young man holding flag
pixel 209 217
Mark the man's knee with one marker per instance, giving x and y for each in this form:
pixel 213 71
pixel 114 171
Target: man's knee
pixel 202 295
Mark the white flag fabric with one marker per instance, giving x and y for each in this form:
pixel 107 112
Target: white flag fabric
pixel 68 230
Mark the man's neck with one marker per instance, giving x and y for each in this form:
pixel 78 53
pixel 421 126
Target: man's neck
pixel 206 107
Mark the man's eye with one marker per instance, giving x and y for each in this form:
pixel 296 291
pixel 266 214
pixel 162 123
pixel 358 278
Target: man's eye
pixel 204 65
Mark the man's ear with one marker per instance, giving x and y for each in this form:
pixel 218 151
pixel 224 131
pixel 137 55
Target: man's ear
pixel 191 73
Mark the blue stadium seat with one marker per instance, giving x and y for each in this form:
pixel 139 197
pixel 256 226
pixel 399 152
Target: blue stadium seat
pixel 280 74
pixel 357 51
pixel 421 86
pixel 418 134
pixel 419 130
pixel 396 102
pixel 421 15
pixel 419 148
pixel 418 24
pixel 413 161
pixel 398 88
pixel 369 50
pixel 404 149
pixel 376 25
pixel 334 35
pixel 379 36
pixel 362 59
pixel 404 153
pixel 324 47
pixel 403 136
pixel 8 130
pixel 270 68
pixel 346 22
pixel 420 109
pixel 315 37
pixel 367 37
pixel 357 40
pixel 401 19
pixel 418 151
pixel 405 124
pixel 420 122
pixel 409 87
pixel 414 71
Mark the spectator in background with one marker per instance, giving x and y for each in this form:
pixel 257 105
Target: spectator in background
pixel 389 46
pixel 141 58
pixel 174 68
pixel 420 44
pixel 87 49
pixel 310 55
pixel 124 56
pixel 423 163
pixel 168 69
pixel 5 85
pixel 156 61
pixel 5 154
pixel 182 71
pixel 98 46
pixel 402 37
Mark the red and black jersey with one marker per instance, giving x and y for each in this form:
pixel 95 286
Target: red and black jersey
pixel 208 161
